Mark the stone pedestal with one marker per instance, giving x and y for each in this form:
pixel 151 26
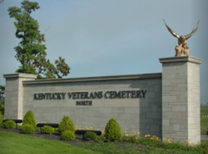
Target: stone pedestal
pixel 181 99
pixel 14 94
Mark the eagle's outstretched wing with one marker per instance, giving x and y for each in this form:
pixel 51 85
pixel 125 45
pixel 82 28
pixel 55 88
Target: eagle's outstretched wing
pixel 172 32
pixel 193 31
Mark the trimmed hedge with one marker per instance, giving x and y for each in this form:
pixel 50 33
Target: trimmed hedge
pixel 28 129
pixel 66 124
pixel 113 130
pixel 47 130
pixel 10 124
pixel 67 135
pixel 90 136
pixel 29 119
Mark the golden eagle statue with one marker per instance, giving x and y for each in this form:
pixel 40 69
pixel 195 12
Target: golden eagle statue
pixel 182 49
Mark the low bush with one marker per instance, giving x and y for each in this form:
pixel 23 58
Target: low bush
pixel 113 131
pixel 101 138
pixel 66 124
pixel 28 129
pixel 67 135
pixel 90 136
pixel 29 119
pixel 10 124
pixel 47 130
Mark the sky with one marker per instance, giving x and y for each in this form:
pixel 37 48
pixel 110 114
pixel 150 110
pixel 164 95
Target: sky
pixel 111 37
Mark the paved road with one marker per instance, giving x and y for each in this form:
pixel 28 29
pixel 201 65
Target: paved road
pixel 204 137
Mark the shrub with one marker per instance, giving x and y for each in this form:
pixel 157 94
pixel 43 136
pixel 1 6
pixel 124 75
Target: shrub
pixel 113 130
pixel 66 124
pixel 90 136
pixel 29 119
pixel 28 129
pixel 47 130
pixel 1 118
pixel 10 124
pixel 2 107
pixel 67 135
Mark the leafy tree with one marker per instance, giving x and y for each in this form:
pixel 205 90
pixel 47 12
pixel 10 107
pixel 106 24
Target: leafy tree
pixel 2 96
pixel 2 89
pixel 30 52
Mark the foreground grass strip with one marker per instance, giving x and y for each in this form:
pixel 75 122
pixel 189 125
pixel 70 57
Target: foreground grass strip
pixel 11 143
pixel 204 120
pixel 135 148
pixel 23 144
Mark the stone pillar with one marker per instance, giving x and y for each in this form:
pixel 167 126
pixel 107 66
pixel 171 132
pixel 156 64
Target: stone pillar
pixel 181 99
pixel 14 94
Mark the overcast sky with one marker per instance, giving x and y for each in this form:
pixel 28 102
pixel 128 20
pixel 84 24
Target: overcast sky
pixel 111 37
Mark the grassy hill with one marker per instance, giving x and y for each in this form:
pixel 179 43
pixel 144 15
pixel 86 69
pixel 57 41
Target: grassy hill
pixel 12 143
pixel 204 120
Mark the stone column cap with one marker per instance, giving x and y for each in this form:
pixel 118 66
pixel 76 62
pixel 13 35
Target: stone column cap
pixel 181 59
pixel 20 75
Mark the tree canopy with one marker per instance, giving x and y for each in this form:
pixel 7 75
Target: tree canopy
pixel 2 89
pixel 31 52
pixel 2 96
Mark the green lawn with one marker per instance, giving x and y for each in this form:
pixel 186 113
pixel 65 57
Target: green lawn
pixel 204 121
pixel 11 143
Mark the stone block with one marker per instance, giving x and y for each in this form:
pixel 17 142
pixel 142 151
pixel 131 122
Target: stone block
pixel 179 108
pixel 166 122
pixel 170 98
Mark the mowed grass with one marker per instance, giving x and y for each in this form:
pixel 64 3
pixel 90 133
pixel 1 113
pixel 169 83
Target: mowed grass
pixel 204 120
pixel 22 144
pixel 11 143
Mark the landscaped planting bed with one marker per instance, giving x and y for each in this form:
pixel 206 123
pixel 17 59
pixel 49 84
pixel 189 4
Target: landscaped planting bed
pixel 112 140
pixel 125 146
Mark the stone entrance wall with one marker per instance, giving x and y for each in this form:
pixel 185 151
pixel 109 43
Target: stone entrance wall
pixel 164 104
pixel 133 100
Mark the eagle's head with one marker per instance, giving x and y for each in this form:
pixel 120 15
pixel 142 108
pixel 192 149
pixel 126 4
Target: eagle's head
pixel 181 40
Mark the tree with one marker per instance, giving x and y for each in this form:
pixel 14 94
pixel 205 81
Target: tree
pixel 2 89
pixel 2 96
pixel 31 52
